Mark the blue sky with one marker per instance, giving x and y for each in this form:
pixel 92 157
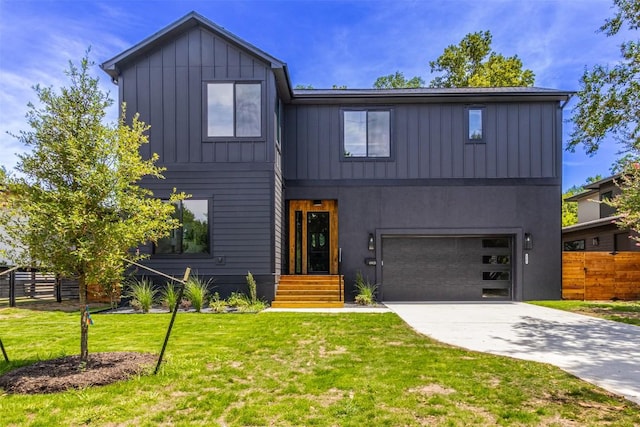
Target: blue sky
pixel 323 42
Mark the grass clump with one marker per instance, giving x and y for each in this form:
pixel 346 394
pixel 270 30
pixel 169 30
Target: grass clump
pixel 142 294
pixel 253 288
pixel 196 292
pixel 169 296
pixel 216 304
pixel 238 300
pixel 365 291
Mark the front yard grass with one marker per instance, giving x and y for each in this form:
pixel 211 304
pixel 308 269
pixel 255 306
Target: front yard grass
pixel 292 369
pixel 619 311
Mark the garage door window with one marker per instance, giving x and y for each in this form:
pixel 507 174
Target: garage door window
pixel 495 293
pixel 495 243
pixel 496 259
pixel 495 275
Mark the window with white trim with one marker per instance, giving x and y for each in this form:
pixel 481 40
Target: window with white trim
pixel 474 124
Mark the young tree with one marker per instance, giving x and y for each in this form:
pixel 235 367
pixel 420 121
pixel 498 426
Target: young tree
pixel 471 63
pixel 397 81
pixel 74 207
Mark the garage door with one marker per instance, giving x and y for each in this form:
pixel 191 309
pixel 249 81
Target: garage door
pixel 420 268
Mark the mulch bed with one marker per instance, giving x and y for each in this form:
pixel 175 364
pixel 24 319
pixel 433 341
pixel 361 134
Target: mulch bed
pixel 56 375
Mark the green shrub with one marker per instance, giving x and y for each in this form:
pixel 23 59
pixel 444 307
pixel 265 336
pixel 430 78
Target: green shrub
pixel 365 291
pixel 253 293
pixel 238 300
pixel 196 292
pixel 169 296
pixel 217 305
pixel 142 294
pixel 253 307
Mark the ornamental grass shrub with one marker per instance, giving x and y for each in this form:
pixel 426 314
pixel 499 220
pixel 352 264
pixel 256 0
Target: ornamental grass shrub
pixel 142 294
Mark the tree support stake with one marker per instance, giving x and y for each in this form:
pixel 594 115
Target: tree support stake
pixel 182 282
pixel 4 353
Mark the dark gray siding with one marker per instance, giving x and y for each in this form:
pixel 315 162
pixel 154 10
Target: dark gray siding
pixel 240 228
pixel 428 141
pixel 166 88
pixel 461 210
pixel 240 220
pixel 610 238
pixel 278 222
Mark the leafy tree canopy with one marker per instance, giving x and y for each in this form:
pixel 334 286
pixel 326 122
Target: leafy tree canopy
pixel 472 63
pixel 397 81
pixel 609 96
pixel 609 104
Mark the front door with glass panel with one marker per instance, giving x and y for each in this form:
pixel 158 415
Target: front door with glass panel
pixel 313 237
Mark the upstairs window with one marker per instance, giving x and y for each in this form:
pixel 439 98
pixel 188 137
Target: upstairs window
pixel 366 133
pixel 193 236
pixel 607 196
pixel 474 124
pixel 234 110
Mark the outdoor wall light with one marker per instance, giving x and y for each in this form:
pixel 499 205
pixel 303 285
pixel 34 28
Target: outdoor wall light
pixel 595 241
pixel 528 241
pixel 372 242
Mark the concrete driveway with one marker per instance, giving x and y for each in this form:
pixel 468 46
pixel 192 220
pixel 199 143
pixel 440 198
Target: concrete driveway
pixel 599 351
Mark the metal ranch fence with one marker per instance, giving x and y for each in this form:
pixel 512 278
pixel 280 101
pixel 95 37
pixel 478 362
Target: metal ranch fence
pixel 19 284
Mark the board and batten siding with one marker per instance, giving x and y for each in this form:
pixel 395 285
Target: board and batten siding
pixel 278 223
pixel 166 87
pixel 428 141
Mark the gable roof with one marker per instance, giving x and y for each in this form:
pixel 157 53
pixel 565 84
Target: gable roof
pixel 593 188
pixel 191 20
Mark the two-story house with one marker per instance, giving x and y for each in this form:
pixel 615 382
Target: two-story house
pixel 433 194
pixel 596 229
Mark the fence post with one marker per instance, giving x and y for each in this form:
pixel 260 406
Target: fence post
pixel 58 289
pixel 12 289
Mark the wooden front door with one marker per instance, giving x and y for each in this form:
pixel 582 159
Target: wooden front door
pixel 313 237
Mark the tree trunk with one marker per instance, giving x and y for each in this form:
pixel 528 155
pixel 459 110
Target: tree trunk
pixel 84 321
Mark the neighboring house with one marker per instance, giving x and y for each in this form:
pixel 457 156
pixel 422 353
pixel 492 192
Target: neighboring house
pixel 434 194
pixel 596 229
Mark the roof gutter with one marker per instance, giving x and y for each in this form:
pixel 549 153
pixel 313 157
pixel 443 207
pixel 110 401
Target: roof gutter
pixel 569 96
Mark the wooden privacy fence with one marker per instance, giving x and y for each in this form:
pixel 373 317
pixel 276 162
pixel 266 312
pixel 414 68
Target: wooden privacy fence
pixel 600 275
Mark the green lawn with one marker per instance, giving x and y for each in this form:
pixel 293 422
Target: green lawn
pixel 292 369
pixel 619 311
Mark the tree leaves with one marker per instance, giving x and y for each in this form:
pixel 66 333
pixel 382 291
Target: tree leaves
pixel 471 63
pixel 74 206
pixel 609 96
pixel 397 81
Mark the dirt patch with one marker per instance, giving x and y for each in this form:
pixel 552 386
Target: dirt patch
pixel 55 375
pixel 431 389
